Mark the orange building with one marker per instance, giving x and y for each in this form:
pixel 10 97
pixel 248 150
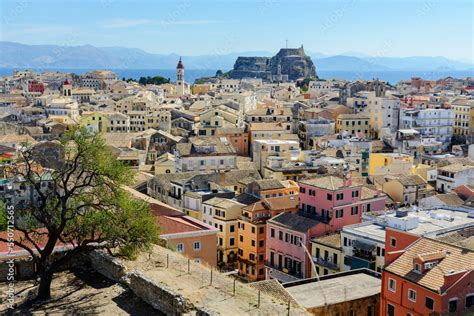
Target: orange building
pixel 186 235
pixel 252 233
pixel 238 137
pixel 429 277
pixel 268 188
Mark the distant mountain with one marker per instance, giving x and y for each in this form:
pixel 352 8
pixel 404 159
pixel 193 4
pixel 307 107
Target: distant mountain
pixel 346 63
pixel 419 63
pixel 15 55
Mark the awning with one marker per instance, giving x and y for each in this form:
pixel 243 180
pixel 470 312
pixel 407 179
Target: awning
pixel 363 246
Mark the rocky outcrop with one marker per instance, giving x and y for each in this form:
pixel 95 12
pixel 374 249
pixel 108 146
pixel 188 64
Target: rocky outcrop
pixel 288 64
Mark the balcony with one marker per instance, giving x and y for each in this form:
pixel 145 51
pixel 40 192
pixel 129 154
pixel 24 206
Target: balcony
pixel 174 196
pixel 322 218
pixel 363 251
pixel 325 263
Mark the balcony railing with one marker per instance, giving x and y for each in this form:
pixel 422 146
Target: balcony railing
pixel 290 272
pixel 174 196
pixel 325 263
pixel 361 254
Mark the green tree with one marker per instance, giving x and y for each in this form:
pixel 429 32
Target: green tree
pixel 158 80
pixel 81 204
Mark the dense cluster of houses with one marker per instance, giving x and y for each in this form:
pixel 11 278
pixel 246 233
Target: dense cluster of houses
pixel 277 182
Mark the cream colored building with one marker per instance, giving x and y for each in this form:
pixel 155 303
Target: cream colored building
pixel 223 214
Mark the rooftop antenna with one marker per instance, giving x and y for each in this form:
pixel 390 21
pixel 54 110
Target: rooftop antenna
pixel 286 41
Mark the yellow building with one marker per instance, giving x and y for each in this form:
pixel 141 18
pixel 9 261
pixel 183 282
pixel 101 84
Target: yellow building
pixel 203 88
pixel 471 126
pixel 224 214
pixel 390 163
pixel 428 173
pixel 65 120
pixel 353 124
pixel 165 164
pixel 463 114
pixel 326 253
pixel 94 121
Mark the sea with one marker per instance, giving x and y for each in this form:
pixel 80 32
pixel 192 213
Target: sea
pixel 392 77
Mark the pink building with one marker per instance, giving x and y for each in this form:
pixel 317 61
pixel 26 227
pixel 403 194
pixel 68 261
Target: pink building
pixel 325 206
pixel 337 202
pixel 286 259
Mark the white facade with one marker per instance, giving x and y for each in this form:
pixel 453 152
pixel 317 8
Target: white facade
pixel 64 106
pixel 205 163
pixel 383 112
pixel 437 123
pixel 448 177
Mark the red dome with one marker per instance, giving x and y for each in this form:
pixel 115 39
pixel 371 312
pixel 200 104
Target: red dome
pixel 67 81
pixel 180 64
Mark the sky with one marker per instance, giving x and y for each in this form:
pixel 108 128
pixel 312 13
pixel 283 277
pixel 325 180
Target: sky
pixel 191 27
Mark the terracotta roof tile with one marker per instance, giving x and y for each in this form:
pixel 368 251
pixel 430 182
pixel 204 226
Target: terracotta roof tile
pixel 456 259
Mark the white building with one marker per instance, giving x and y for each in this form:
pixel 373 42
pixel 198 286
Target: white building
pixel 437 123
pixel 453 175
pixel 63 106
pixel 383 113
pixel 363 245
pixel 205 154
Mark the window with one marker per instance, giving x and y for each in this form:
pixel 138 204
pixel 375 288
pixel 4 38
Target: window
pixel 429 303
pixel 280 235
pixel 272 232
pixel 392 285
pixel 253 230
pixel 329 197
pixel 232 228
pixel 453 305
pixel 261 230
pixel 302 190
pixel 287 237
pixel 197 245
pixel 261 243
pixel 339 213
pixel 345 241
pixel 297 241
pixel 354 210
pixel 241 238
pixel 470 300
pixel 390 310
pixel 340 196
pixel 180 248
pixel 231 241
pixel 417 267
pixel 370 310
pixel 355 194
pixel 393 242
pixel 412 295
pixel 253 243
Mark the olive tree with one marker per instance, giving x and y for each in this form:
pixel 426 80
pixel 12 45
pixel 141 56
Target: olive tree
pixel 78 202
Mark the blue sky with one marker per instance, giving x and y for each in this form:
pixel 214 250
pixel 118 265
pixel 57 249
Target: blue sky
pixel 192 27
